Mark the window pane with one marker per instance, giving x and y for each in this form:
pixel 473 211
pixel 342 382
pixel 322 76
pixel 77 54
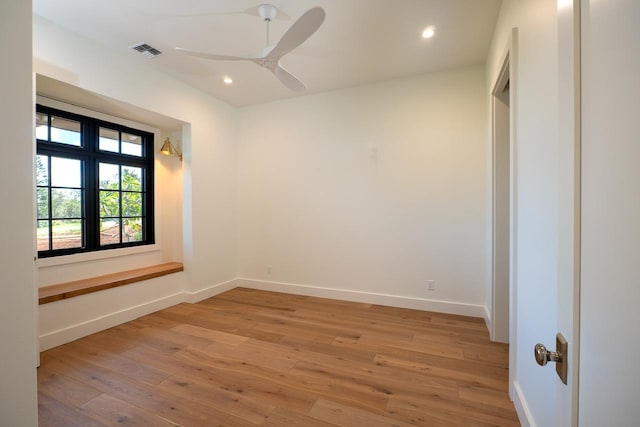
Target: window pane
pixel 66 172
pixel 109 140
pixel 43 203
pixel 43 235
pixel 131 178
pixel 65 131
pixel 67 234
pixel 109 203
pixel 131 144
pixel 132 230
pixel 109 231
pixel 131 204
pixel 66 203
pixel 42 170
pixel 109 176
pixel 85 166
pixel 42 126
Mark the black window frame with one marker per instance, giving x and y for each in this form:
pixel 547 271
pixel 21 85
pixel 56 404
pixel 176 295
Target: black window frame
pixel 91 156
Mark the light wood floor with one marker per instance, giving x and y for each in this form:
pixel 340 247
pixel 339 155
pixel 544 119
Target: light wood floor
pixel 247 357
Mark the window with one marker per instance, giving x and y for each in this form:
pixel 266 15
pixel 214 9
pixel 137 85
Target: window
pixel 94 184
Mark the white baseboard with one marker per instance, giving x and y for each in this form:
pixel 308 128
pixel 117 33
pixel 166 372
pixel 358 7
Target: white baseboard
pixel 524 414
pixel 82 329
pixel 79 330
pixel 211 291
pixel 366 297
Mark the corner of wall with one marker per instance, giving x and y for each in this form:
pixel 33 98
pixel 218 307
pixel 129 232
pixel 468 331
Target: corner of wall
pixel 211 291
pixel 487 321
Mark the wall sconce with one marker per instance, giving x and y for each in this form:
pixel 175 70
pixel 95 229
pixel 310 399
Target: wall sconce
pixel 169 149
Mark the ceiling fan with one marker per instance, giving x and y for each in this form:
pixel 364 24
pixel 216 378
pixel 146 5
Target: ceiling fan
pixel 253 11
pixel 269 57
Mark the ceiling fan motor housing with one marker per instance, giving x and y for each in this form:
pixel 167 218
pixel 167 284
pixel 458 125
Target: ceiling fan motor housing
pixel 268 12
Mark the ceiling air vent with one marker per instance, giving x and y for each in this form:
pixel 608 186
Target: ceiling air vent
pixel 146 50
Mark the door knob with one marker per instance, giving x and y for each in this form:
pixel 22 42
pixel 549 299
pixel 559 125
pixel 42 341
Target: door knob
pixel 544 356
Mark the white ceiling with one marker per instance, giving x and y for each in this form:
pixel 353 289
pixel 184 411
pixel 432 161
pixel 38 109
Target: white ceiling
pixel 361 41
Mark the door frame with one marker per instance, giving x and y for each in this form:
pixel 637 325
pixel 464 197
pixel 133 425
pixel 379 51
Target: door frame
pixel 499 326
pixel 569 220
pixel 509 70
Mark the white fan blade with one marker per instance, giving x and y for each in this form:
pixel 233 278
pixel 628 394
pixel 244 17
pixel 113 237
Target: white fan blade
pixel 197 15
pixel 300 31
pixel 288 79
pixel 212 56
pixel 252 11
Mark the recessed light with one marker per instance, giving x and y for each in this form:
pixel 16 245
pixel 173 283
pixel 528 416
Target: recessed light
pixel 564 3
pixel 227 80
pixel 428 32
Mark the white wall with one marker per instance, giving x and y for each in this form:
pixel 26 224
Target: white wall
pixel 609 319
pixel 208 195
pixel 369 191
pixel 536 112
pixel 18 405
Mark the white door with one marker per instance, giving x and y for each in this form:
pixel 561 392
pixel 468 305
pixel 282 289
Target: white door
pixel 548 215
pixel 609 392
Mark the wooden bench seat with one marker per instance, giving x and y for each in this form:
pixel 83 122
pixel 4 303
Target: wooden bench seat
pixel 67 290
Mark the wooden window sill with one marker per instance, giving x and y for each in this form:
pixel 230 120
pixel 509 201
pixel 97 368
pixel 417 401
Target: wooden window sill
pixel 94 284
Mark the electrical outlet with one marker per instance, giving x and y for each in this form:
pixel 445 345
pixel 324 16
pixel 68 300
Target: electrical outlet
pixel 431 285
pixel 268 269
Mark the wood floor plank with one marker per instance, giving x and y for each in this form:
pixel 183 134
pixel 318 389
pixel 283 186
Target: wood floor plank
pixel 296 380
pixel 489 354
pixel 300 344
pixel 232 325
pixel 258 388
pixel 256 352
pixel 213 336
pixel 102 356
pixel 338 325
pixel 486 376
pixel 134 336
pixel 374 384
pixel 451 409
pixel 444 349
pixel 347 416
pixel 230 402
pixel 169 406
pixel 248 358
pixel 154 321
pixel 472 324
pixel 53 413
pixel 483 395
pixel 66 390
pixel 258 300
pixel 425 415
pixel 114 411
pixel 432 365
pixel 282 416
